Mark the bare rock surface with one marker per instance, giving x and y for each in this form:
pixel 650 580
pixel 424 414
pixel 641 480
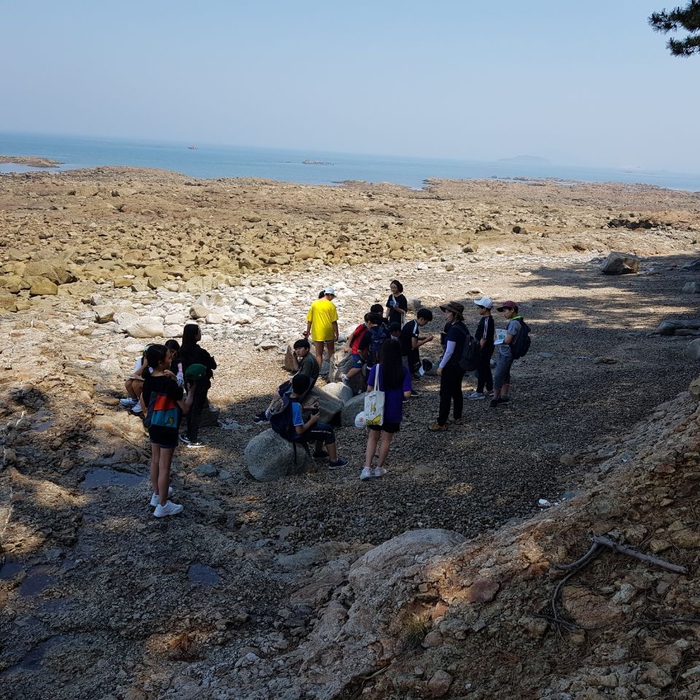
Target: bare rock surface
pixel 286 589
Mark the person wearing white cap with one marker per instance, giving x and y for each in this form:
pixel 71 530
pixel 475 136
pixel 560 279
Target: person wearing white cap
pixel 322 324
pixel 485 333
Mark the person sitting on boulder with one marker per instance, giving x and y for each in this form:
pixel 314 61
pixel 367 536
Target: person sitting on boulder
pixel 313 430
pixel 134 383
pixel 356 376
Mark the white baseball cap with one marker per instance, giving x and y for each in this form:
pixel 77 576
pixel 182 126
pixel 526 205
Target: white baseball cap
pixel 329 290
pixel 486 302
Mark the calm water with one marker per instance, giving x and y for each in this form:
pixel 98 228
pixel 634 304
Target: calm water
pixel 212 161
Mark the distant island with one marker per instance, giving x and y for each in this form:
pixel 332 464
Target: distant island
pixel 314 162
pixel 525 160
pixel 31 161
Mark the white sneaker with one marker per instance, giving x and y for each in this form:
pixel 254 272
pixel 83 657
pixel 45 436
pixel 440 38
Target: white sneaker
pixel 476 395
pixel 155 499
pixel 378 471
pixel 366 473
pixel 128 402
pixel 168 509
pixel 136 409
pixel 344 379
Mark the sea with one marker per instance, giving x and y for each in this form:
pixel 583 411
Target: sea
pixel 199 160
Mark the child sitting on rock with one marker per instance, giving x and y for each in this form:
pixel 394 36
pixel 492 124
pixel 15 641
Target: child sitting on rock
pixel 134 383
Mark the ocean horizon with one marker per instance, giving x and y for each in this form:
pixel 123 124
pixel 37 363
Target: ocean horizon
pixel 211 161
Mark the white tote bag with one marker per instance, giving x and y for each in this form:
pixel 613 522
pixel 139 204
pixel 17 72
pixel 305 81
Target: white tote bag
pixel 374 403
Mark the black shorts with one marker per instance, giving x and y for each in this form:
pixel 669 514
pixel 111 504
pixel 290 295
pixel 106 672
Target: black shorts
pixel 387 427
pixel 164 437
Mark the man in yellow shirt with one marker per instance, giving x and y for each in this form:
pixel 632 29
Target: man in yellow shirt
pixel 322 324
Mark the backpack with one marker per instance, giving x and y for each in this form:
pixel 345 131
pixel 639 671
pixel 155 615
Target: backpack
pixel 521 343
pixel 471 352
pixel 279 414
pixel 378 336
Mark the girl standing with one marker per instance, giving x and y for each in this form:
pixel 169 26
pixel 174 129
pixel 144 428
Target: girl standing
pixel 164 404
pixel 396 304
pixel 192 354
pixel 449 371
pixel 395 382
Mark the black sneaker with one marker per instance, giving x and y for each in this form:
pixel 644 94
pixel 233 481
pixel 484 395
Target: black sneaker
pixel 414 393
pixel 494 403
pixel 185 439
pixel 260 418
pixel 503 399
pixel 338 463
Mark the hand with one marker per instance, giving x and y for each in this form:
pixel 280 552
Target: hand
pixel 429 338
pixel 305 334
pixel 439 372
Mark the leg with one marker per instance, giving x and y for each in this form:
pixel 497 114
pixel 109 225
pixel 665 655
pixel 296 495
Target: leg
pixel 372 440
pixel 384 447
pixel 194 416
pixel 129 386
pixel 155 460
pixel 457 396
pixel 445 397
pixel 164 462
pixel 318 351
pixel 330 346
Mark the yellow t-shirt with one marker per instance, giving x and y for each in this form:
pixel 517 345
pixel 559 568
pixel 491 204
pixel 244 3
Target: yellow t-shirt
pixel 322 315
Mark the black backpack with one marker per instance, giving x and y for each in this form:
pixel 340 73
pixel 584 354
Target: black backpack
pixel 377 337
pixel 471 351
pixel 521 343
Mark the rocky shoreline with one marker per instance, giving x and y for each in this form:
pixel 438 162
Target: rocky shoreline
pixel 241 596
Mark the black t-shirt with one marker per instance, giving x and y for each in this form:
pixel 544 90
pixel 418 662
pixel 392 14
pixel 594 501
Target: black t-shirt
pixel 486 331
pixel 408 333
pixel 400 303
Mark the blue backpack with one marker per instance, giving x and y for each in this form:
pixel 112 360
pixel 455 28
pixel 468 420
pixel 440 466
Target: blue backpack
pixel 521 343
pixel 280 416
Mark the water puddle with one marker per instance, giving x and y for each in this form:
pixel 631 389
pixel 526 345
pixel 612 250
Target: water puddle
pixel 202 575
pixel 10 569
pixel 39 578
pixel 98 478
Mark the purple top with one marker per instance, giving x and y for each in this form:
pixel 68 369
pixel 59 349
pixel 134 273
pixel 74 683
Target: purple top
pixel 393 399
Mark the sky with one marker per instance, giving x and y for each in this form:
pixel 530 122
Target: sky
pixel 578 83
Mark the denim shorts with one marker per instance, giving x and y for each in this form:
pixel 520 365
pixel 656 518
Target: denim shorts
pixel 501 375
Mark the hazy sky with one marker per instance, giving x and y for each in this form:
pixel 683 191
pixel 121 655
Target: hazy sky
pixel 574 82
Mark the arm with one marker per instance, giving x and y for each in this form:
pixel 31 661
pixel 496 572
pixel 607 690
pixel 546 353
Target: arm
pixel 350 341
pixel 186 404
pixel 449 351
pixel 313 419
pixel 335 330
pixel 418 342
pixel 308 329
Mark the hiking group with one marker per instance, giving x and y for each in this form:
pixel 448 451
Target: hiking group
pixel 383 353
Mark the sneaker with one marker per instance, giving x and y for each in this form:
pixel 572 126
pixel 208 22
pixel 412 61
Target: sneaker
pixel 136 409
pixel 494 403
pixel 436 427
pixel 260 418
pixel 378 471
pixel 338 463
pixel 155 500
pixel 414 393
pixel 457 421
pixel 128 402
pixel 503 399
pixel 476 396
pixel 320 454
pixel 344 379
pixel 169 508
pixel 185 439
pixel 366 473
pixel 193 444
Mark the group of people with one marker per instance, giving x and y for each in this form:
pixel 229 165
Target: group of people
pixel 386 347
pixel 171 381
pixel 168 382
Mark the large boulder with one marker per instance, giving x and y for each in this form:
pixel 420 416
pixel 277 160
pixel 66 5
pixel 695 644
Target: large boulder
pixel 269 457
pixel 291 364
pixel 330 406
pixel 42 286
pixel 54 270
pixel 337 390
pixel 350 410
pixel 679 326
pixel 146 328
pixel 620 264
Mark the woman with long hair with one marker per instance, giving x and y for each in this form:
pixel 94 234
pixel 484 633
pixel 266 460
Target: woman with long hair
pixel 396 304
pixel 395 381
pixel 192 354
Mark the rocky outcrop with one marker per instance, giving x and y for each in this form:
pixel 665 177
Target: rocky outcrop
pixel 269 457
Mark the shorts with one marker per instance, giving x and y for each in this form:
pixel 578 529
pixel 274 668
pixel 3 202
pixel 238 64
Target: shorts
pixel 165 438
pixel 387 427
